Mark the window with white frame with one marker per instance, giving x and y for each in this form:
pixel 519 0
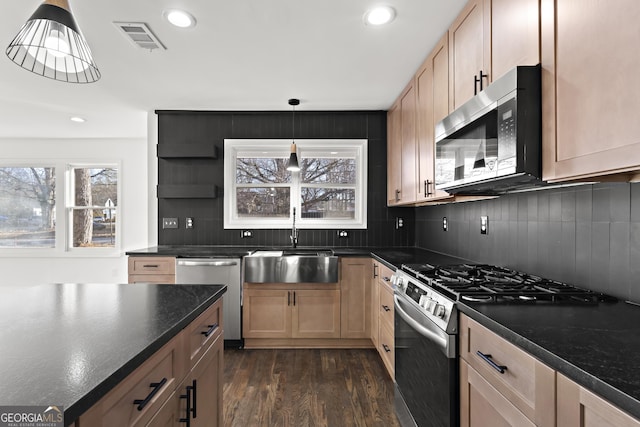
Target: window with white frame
pixel 28 207
pixel 329 191
pixel 92 206
pixel 32 215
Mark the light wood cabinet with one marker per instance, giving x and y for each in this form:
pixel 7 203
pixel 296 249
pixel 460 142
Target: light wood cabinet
pixel 469 52
pixel 589 124
pixel 487 39
pixel 152 269
pixel 481 405
pixel 394 154
pixel 401 149
pixel 385 310
pixel 273 311
pixel 375 300
pixel 514 384
pixel 355 297
pixel 432 100
pixel 152 394
pixel 203 386
pixel 578 407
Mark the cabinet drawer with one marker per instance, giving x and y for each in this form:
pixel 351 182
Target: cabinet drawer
pixel 384 277
pixel 152 278
pixel 152 265
pixel 386 306
pixel 386 347
pixel 150 385
pixel 203 331
pixel 526 382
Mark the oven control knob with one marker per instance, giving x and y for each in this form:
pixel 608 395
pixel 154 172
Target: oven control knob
pixel 438 310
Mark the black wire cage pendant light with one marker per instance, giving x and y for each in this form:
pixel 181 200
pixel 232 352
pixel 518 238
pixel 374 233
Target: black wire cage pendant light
pixel 293 165
pixel 50 44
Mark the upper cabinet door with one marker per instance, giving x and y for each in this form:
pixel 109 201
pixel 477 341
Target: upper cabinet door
pixel 394 154
pixel 408 161
pixel 515 35
pixel 591 91
pixel 469 52
pixel 432 105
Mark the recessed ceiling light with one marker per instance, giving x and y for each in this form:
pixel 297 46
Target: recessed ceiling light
pixel 379 15
pixel 180 18
pixel 78 119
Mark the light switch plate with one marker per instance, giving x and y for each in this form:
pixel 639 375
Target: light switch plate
pixel 169 223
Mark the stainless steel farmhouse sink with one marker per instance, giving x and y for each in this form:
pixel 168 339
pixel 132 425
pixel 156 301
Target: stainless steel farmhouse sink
pixel 293 265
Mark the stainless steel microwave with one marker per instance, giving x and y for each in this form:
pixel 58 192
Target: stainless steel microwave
pixel 492 143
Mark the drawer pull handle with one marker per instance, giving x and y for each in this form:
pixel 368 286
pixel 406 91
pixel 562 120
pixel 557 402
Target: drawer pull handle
pixel 386 308
pixel 487 358
pixel 156 387
pixel 386 279
pixel 386 348
pixel 187 396
pixel 194 399
pixel 375 271
pixel 210 330
pixel 151 266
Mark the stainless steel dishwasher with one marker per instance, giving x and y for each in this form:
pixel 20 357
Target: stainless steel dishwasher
pixel 217 271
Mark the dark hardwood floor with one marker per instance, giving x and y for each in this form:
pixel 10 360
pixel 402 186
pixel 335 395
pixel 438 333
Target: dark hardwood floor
pixel 307 388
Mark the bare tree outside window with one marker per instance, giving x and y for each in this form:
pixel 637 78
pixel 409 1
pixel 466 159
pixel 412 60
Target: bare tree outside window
pixel 328 187
pixel 94 211
pixel 258 193
pixel 27 207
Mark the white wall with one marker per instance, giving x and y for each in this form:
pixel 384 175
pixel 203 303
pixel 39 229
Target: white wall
pixel 133 155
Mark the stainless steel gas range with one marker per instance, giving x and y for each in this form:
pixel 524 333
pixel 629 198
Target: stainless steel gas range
pixel 426 328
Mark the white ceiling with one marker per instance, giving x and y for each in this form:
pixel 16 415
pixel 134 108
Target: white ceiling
pixel 242 55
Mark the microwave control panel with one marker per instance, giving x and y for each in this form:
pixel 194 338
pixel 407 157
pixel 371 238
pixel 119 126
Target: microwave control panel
pixel 507 135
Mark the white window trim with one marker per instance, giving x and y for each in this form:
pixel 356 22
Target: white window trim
pixel 281 148
pixel 63 244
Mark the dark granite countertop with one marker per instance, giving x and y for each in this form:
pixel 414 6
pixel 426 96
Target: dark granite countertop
pixel 597 346
pixel 69 344
pixel 392 256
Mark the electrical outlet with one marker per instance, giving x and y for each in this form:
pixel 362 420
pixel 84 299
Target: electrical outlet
pixel 246 234
pixel 445 224
pixel 343 234
pixel 399 223
pixel 484 224
pixel 188 223
pixel 169 223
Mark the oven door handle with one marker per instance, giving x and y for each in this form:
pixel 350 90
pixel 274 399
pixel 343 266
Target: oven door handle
pixel 437 336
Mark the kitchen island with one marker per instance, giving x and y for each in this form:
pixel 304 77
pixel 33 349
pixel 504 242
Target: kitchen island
pixel 70 345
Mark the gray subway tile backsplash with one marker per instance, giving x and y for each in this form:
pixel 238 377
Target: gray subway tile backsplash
pixel 587 235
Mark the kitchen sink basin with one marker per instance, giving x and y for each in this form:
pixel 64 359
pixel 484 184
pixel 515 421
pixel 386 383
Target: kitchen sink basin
pixel 291 252
pixel 291 266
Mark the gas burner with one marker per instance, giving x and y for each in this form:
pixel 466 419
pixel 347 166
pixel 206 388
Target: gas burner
pixel 416 269
pixel 476 298
pixel 493 284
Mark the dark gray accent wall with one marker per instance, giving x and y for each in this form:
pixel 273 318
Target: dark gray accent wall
pixel 586 235
pixel 177 128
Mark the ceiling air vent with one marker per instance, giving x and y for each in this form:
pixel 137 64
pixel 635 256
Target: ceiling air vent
pixel 140 35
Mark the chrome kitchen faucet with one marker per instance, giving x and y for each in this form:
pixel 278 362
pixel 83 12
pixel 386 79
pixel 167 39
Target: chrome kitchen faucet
pixel 294 231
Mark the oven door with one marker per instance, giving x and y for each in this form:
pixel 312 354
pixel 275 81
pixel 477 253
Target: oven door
pixel 426 370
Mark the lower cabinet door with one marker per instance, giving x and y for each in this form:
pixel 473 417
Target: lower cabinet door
pixel 578 407
pixel 169 414
pixel 266 313
pixel 316 313
pixel 481 405
pixel 200 394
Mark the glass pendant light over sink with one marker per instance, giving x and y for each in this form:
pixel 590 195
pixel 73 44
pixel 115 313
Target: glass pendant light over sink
pixel 50 44
pixel 293 165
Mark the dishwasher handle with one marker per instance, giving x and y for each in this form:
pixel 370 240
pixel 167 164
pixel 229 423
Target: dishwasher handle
pixel 205 263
